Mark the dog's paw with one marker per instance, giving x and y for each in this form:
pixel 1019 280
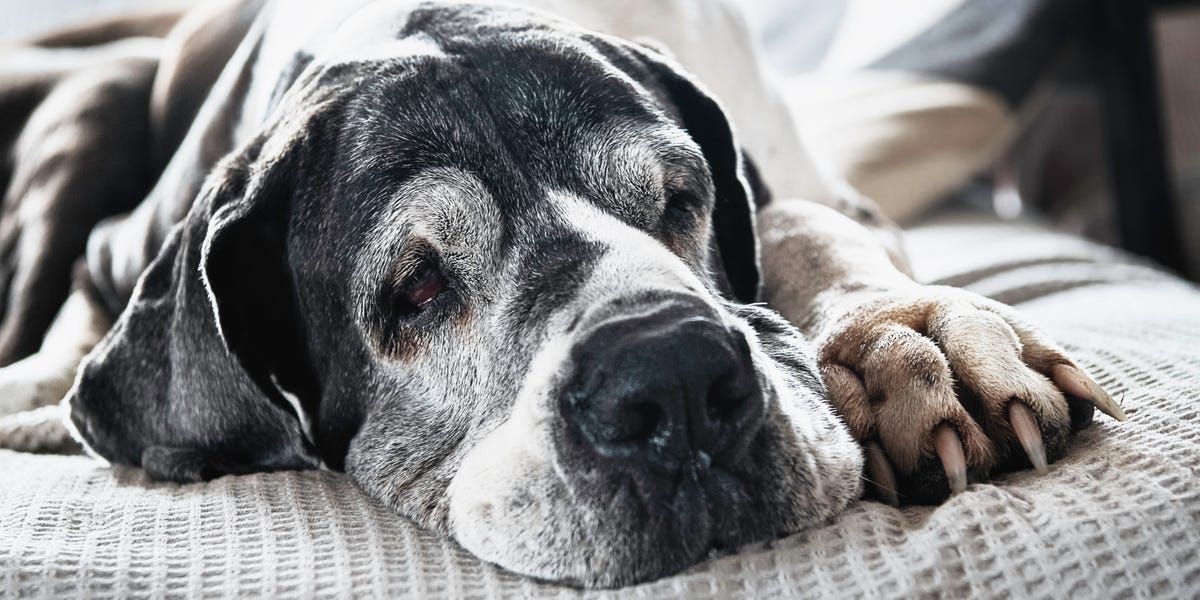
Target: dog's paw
pixel 33 382
pixel 41 430
pixel 942 386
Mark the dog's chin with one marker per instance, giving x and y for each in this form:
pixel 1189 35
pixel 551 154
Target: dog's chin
pixel 514 503
pixel 546 531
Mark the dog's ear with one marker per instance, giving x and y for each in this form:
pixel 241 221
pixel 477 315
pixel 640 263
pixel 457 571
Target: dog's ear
pixel 188 383
pixel 734 246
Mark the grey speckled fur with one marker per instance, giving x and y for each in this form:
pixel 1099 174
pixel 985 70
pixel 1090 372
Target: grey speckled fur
pixel 535 160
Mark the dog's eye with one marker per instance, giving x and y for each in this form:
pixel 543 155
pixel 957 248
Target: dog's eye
pixel 681 209
pixel 421 288
pixel 681 205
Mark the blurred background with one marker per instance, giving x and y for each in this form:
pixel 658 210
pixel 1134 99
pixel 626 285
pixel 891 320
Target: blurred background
pixel 1086 113
pixel 1081 113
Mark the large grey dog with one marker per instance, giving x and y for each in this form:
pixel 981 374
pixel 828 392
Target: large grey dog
pixel 501 265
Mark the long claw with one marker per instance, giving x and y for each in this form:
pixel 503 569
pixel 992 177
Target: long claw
pixel 949 449
pixel 881 475
pixel 1074 382
pixel 1025 426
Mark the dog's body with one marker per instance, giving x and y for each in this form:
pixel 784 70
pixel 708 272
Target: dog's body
pixel 499 268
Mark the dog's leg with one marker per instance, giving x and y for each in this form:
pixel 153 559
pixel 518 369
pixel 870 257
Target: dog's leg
pixel 44 377
pixel 80 154
pixel 149 23
pixel 89 131
pixel 939 384
pixel 31 420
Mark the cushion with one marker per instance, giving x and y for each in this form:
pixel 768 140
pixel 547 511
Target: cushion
pixel 908 101
pixel 1118 516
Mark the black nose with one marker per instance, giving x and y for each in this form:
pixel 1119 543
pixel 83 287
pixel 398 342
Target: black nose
pixel 669 389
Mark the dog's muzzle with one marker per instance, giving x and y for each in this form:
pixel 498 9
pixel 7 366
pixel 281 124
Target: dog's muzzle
pixel 662 393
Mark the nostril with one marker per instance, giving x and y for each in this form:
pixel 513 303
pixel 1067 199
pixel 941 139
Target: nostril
pixel 640 423
pixel 726 399
pixel 617 422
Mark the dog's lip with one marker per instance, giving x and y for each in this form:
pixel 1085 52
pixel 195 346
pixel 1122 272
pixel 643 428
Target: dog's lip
pixel 705 517
pixel 720 492
pixel 700 467
pixel 709 488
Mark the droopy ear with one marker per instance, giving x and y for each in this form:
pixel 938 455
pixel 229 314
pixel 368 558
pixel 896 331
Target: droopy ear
pixel 734 246
pixel 187 383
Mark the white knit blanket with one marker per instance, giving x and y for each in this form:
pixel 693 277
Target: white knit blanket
pixel 1118 516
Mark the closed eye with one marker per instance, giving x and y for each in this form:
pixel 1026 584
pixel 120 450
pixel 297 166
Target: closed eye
pixel 420 289
pixel 682 207
pixel 421 294
pixel 417 283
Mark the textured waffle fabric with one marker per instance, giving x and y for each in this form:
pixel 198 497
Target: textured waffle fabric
pixel 1118 516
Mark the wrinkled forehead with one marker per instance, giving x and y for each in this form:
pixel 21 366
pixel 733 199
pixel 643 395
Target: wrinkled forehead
pixel 449 207
pixel 521 116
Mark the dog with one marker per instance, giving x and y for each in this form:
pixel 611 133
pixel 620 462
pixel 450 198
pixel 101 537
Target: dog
pixel 557 280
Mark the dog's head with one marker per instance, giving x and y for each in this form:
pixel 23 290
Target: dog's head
pixel 502 275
